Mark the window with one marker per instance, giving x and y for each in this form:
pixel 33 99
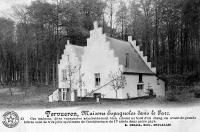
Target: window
pixel 68 90
pixel 140 87
pixel 97 79
pixel 64 74
pixel 127 60
pixel 158 82
pixel 140 78
pixel 64 94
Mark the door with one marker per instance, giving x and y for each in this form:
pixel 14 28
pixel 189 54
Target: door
pixel 66 94
pixel 140 90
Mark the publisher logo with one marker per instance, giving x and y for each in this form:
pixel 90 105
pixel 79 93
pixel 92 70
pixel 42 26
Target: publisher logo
pixel 10 119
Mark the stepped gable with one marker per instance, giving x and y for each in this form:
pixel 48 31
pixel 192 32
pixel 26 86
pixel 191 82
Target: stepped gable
pixel 79 50
pixel 137 62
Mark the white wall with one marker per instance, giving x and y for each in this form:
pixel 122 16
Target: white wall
pixel 149 80
pixel 131 87
pixel 73 59
pixel 152 80
pixel 99 58
pixel 54 96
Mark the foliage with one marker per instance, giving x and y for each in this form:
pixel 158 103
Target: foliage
pixel 168 32
pixel 122 18
pixel 181 79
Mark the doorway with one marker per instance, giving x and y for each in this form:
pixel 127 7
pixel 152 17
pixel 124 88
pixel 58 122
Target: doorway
pixel 66 94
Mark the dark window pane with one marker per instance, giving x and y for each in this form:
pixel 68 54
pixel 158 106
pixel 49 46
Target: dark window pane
pixel 97 79
pixel 140 86
pixel 140 78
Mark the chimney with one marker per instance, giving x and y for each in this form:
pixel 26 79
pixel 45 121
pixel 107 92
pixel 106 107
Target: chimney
pixel 68 42
pixel 130 38
pixel 95 24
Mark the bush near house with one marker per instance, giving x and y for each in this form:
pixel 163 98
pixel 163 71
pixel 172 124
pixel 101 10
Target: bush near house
pixel 178 85
pixel 197 94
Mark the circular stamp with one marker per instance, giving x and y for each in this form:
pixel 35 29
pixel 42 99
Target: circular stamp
pixel 10 119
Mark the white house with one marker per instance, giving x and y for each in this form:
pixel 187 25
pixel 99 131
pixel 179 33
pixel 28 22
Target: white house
pixel 104 55
pixel 68 74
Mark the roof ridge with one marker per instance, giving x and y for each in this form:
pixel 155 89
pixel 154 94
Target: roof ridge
pixel 76 47
pixel 118 39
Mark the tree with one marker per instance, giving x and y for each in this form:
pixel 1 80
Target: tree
pixel 167 30
pixel 7 53
pixel 111 4
pixel 118 81
pixel 122 19
pixel 91 10
pixel 73 76
pixel 146 7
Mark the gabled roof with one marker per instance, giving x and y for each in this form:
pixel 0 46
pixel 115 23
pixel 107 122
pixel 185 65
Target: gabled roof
pixel 136 62
pixel 78 51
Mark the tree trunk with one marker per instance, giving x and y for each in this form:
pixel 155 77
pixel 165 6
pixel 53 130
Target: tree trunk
pixel 116 93
pixel 156 36
pixel 26 72
pixel 111 18
pixel 53 75
pixel 47 75
pixel 10 90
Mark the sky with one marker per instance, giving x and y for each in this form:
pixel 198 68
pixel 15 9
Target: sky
pixel 6 6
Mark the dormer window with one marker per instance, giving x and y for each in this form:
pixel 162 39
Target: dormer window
pixel 127 60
